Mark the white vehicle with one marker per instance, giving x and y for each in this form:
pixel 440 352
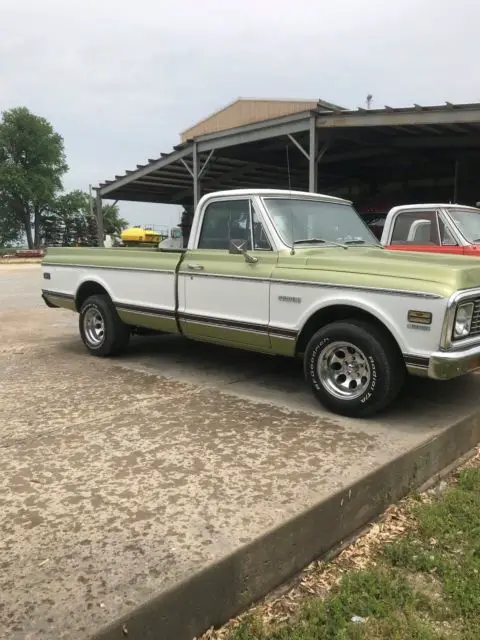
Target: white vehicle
pixel 291 273
pixel 174 241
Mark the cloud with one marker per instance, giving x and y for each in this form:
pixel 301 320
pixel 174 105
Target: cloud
pixel 120 80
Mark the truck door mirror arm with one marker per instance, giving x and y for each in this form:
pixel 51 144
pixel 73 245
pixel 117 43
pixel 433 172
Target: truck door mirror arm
pixel 235 249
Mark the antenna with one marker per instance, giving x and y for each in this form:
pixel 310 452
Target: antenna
pixel 292 248
pixel 369 100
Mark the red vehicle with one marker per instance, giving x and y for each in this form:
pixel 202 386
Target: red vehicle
pixel 436 228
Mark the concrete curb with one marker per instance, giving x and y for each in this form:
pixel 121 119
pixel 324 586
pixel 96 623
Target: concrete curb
pixel 10 262
pixel 224 589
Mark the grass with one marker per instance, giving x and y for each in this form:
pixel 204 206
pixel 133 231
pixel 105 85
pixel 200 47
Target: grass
pixel 6 250
pixel 423 585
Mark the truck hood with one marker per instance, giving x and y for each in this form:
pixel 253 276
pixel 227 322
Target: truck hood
pixel 376 267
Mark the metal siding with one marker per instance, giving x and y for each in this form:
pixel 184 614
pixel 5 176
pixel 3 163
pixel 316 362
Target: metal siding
pixel 245 112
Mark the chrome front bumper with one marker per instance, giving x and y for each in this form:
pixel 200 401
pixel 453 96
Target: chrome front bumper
pixel 444 365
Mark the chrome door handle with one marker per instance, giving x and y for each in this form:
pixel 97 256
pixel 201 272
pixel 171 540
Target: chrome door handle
pixel 195 267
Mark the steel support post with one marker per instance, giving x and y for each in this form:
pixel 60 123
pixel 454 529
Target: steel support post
pixel 99 215
pixel 196 172
pixel 312 155
pixel 195 176
pixel 456 180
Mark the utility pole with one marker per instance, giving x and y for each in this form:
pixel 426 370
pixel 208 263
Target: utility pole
pixel 91 200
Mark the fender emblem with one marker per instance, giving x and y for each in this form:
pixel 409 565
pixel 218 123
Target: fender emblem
pixel 289 299
pixel 418 327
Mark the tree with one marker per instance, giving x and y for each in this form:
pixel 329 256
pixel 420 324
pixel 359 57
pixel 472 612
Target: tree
pixel 92 231
pixel 32 164
pixel 68 212
pixel 112 222
pixel 68 221
pixel 65 222
pixel 10 229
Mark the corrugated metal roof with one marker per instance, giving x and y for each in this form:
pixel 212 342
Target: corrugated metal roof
pixel 254 155
pixel 447 106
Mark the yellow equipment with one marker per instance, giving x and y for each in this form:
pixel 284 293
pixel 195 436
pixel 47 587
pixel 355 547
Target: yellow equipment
pixel 138 236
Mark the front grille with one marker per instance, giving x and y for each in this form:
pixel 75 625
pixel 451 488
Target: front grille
pixel 475 328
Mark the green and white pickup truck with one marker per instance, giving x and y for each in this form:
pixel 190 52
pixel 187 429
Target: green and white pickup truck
pixel 288 273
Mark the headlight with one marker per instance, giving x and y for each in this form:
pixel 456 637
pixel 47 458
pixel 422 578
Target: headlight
pixel 463 320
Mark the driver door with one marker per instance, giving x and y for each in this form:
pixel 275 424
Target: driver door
pixel 227 299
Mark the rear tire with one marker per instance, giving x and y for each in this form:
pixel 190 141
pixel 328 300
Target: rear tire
pixel 102 331
pixel 354 368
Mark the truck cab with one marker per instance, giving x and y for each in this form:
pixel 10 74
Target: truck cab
pixel 433 228
pixel 174 240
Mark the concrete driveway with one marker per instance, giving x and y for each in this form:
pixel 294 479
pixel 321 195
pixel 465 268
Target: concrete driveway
pixel 123 478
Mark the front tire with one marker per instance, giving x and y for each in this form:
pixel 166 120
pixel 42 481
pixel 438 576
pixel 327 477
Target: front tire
pixel 102 331
pixel 354 368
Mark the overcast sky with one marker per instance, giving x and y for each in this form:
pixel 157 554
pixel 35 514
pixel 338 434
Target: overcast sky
pixel 120 80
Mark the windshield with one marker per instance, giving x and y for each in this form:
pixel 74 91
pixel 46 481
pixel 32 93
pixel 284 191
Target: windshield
pixel 468 223
pixel 299 221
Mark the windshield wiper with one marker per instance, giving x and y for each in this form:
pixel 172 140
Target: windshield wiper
pixel 319 240
pixel 367 244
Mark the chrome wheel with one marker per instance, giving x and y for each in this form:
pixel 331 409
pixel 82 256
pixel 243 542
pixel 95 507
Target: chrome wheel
pixel 344 370
pixel 94 327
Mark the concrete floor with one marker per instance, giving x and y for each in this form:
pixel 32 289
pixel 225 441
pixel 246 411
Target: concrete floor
pixel 122 477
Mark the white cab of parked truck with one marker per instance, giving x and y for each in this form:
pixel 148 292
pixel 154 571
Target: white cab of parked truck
pixel 174 240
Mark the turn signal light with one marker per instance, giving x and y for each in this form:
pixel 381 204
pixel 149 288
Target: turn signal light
pixel 419 317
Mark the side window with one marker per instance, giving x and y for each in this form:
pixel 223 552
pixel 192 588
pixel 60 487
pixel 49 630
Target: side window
pixel 260 238
pixel 226 221
pixel 446 236
pixel 415 227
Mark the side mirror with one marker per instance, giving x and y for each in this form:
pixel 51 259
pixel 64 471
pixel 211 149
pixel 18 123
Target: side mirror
pixel 238 249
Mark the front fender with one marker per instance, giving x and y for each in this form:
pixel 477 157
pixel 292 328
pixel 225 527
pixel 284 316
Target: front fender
pixel 371 307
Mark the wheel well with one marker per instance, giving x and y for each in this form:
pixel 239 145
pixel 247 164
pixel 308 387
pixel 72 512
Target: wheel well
pixel 86 290
pixel 335 313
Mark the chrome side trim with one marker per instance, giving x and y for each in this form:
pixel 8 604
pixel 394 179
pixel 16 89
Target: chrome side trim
pixel 153 312
pixel 322 285
pixel 202 274
pixel 302 283
pixel 105 267
pixel 58 294
pixel 212 323
pixel 222 323
pixel 355 287
pixel 238 325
